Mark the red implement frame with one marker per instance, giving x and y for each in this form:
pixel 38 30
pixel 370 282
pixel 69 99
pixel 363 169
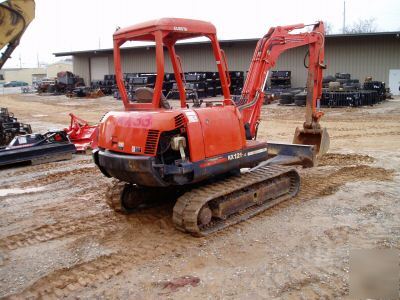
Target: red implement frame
pixel 81 134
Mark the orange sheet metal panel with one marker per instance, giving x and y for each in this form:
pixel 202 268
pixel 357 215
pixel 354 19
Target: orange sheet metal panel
pixel 195 135
pixel 223 131
pixel 132 132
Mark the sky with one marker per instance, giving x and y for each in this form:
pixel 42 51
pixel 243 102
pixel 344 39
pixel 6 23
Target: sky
pixel 71 25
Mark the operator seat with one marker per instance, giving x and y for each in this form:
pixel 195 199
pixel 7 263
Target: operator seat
pixel 145 95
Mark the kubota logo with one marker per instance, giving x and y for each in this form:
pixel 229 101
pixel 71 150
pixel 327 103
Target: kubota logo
pixel 180 28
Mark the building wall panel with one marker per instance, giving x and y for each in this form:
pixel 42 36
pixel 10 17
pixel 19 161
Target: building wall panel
pixel 360 56
pixel 81 67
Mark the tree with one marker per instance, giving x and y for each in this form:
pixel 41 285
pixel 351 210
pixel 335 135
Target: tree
pixel 362 26
pixel 328 27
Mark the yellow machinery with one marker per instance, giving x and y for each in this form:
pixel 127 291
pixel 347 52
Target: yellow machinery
pixel 15 16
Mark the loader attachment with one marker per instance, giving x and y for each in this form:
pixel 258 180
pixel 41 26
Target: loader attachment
pixel 82 134
pixel 36 149
pixel 316 137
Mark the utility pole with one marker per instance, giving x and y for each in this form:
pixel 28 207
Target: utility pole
pixel 37 58
pixel 344 16
pixel 20 61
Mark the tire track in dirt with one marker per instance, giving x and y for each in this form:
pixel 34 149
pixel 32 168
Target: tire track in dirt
pixel 145 247
pixel 105 221
pixel 53 177
pixel 63 282
pixel 45 167
pixel 371 134
pixel 320 270
pixel 58 230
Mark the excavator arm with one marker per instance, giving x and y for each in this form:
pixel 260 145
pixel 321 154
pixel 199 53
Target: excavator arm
pixel 267 52
pixel 15 16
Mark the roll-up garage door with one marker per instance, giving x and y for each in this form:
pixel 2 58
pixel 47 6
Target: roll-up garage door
pixel 98 67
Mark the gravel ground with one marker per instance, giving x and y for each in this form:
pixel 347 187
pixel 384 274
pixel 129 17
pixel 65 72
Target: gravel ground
pixel 59 239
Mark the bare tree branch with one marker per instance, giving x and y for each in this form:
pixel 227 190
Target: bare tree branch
pixel 328 27
pixel 362 26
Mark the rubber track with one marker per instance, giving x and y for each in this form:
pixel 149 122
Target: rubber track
pixel 188 206
pixel 113 195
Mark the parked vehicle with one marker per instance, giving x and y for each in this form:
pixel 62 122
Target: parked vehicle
pixel 15 83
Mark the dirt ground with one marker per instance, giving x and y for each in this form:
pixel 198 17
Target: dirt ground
pixel 59 239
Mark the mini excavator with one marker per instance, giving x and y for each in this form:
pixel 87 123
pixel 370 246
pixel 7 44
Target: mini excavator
pixel 196 154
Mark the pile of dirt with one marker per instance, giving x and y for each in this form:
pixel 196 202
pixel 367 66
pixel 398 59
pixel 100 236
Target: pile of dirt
pixel 329 183
pixel 338 159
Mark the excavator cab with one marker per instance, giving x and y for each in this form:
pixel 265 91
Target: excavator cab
pixel 165 33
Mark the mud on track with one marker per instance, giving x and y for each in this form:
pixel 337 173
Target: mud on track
pixel 63 241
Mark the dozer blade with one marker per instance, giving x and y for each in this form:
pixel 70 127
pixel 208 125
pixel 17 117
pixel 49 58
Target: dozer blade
pixel 317 137
pixel 289 155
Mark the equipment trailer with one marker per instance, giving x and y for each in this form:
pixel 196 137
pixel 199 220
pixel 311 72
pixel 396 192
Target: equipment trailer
pixel 197 153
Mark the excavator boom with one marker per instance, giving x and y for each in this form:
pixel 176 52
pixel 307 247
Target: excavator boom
pixel 269 48
pixel 15 16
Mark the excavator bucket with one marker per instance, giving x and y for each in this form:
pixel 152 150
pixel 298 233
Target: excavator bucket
pixel 316 137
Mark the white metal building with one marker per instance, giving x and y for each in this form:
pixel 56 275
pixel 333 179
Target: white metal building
pixel 361 55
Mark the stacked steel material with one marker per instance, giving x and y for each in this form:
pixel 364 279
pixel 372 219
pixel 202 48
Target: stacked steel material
pixel 197 84
pixel 341 91
pixel 237 80
pixel 280 88
pixel 349 98
pixel 107 85
pixel 281 79
pixel 377 86
pixel 133 81
pixel 343 82
pixel 213 84
pixel 10 127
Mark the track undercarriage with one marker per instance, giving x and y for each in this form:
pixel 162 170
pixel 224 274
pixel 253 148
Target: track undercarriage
pixel 214 206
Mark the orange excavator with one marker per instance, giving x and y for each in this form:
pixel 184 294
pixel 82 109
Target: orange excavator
pixel 208 158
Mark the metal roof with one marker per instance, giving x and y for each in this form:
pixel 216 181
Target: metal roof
pixel 395 34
